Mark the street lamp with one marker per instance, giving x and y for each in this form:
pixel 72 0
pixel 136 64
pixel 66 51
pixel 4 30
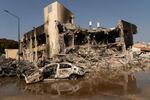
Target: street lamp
pixel 18 19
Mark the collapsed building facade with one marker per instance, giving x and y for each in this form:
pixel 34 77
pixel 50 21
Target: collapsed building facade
pixel 59 33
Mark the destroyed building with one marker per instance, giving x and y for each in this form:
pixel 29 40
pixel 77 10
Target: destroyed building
pixel 59 33
pixel 104 53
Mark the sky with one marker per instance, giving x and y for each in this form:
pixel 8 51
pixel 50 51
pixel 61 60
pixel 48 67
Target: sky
pixel 107 12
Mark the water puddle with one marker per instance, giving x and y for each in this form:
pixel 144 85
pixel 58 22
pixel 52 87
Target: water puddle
pixel 137 88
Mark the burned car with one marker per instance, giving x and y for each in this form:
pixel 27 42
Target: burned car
pixel 34 77
pixel 62 71
pixel 29 72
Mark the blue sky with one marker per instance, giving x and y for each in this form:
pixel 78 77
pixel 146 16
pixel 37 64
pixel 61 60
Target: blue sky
pixel 107 12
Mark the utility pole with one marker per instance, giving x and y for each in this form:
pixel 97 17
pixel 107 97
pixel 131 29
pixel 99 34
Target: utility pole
pixel 18 19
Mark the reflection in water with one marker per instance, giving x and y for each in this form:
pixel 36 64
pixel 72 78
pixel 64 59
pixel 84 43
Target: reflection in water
pixel 73 88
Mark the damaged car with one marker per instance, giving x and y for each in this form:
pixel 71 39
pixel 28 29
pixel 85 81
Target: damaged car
pixel 29 72
pixel 62 71
pixel 34 77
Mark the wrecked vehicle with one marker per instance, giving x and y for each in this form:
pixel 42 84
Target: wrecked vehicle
pixel 34 77
pixel 30 73
pixel 62 71
pixel 27 70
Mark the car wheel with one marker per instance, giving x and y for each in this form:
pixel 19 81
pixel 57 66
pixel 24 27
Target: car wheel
pixel 73 77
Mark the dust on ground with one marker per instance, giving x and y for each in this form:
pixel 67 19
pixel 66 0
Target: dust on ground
pixel 137 88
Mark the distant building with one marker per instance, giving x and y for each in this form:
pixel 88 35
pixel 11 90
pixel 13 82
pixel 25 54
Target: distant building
pixel 11 53
pixel 142 47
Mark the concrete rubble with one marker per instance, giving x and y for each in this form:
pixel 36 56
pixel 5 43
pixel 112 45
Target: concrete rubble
pixel 7 67
pixel 102 63
pixel 109 63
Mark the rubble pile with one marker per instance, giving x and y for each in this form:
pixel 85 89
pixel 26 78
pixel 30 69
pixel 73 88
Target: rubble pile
pixel 7 67
pixel 101 62
pixel 26 68
pixel 104 63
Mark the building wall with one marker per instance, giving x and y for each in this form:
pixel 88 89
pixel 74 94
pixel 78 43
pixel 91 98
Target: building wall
pixel 11 53
pixel 33 44
pixel 54 13
pixel 64 15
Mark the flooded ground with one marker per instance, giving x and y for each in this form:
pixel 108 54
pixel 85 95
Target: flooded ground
pixel 137 88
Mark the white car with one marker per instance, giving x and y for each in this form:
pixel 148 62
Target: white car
pixel 62 70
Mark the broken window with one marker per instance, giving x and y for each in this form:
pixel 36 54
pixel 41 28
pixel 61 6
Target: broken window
pixel 68 40
pixel 60 28
pixel 49 8
pixel 111 38
pixel 33 42
pixel 98 38
pixel 80 39
pixel 64 66
pixel 101 38
pixel 41 39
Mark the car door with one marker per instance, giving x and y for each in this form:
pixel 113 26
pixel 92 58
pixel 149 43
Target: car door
pixel 64 70
pixel 50 71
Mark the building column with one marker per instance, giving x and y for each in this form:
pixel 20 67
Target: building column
pixel 122 40
pixel 88 37
pixel 36 47
pixel 73 36
pixel 31 49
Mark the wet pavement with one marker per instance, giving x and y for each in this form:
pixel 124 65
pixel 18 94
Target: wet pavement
pixel 137 88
